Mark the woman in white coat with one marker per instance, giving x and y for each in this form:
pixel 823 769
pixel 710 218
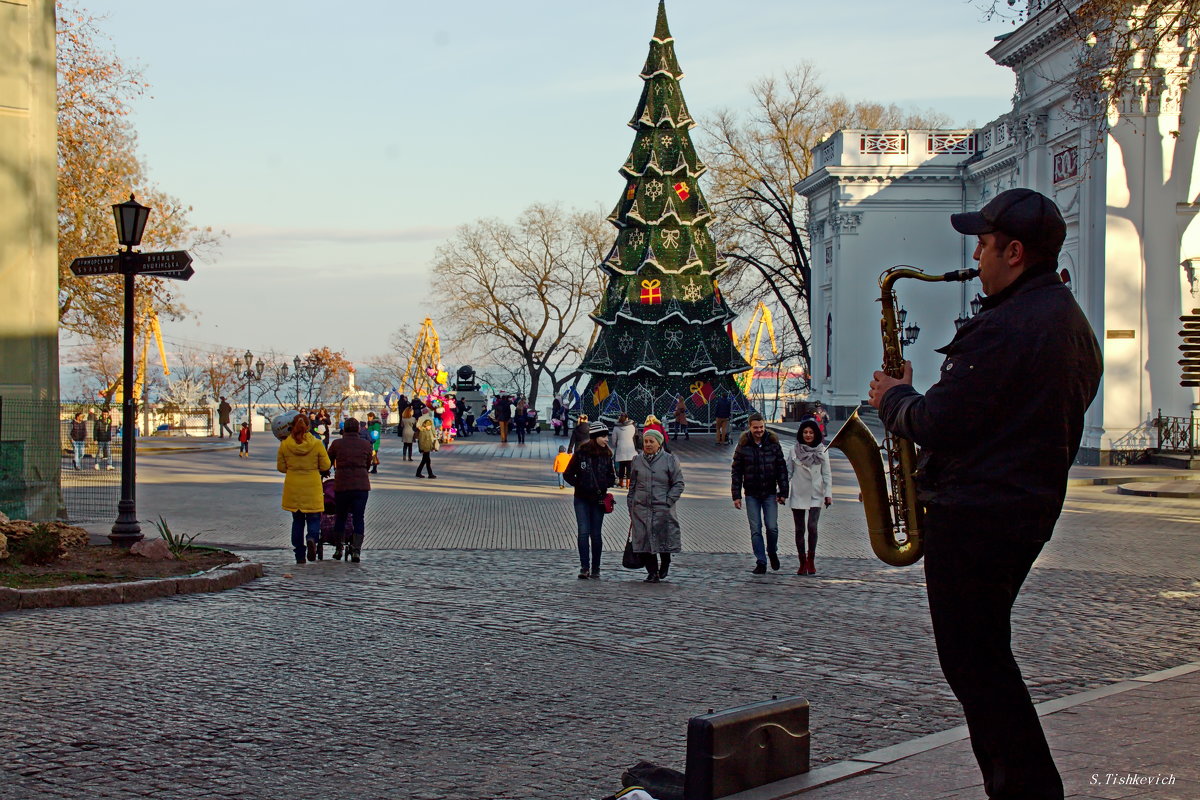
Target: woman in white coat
pixel 624 449
pixel 811 487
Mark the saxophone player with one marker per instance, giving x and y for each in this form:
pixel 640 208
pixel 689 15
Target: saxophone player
pixel 999 431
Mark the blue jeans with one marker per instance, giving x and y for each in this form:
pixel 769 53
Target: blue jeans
pixel 104 454
pixel 589 517
pixel 763 511
pixel 299 519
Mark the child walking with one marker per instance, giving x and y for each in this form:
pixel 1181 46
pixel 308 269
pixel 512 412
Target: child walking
pixel 811 485
pixel 244 438
pixel 560 464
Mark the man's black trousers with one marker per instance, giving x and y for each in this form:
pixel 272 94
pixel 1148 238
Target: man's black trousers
pixel 975 564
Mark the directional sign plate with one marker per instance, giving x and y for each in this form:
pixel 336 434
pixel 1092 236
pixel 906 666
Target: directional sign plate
pixel 171 264
pixel 175 274
pixel 96 265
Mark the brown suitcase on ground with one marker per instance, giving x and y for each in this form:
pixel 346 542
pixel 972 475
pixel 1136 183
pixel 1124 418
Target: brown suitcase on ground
pixel 744 747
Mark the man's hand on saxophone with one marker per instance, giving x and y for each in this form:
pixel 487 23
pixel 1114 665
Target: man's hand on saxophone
pixel 881 383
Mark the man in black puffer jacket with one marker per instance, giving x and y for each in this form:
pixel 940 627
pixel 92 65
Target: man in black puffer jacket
pixel 760 470
pixel 998 432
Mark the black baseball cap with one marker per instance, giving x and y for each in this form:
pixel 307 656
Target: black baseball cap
pixel 1025 215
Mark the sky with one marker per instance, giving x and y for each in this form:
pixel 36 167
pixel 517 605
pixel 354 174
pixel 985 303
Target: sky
pixel 339 146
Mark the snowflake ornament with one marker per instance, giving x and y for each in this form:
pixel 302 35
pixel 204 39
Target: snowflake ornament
pixel 666 139
pixel 637 239
pixel 654 189
pixel 625 343
pixel 691 292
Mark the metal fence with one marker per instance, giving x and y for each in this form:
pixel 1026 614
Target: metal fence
pixel 46 475
pixel 1178 434
pixel 183 422
pixel 1160 434
pixel 641 404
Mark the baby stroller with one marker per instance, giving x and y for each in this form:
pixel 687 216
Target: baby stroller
pixel 329 522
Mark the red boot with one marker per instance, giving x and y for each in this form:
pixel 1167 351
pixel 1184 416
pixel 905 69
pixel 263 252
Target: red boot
pixel 809 567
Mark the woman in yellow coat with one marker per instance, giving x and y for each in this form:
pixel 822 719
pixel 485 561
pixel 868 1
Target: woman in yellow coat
pixel 302 459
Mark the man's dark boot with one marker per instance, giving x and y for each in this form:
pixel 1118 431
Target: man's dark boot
pixel 774 560
pixel 759 569
pixel 356 547
pixel 337 552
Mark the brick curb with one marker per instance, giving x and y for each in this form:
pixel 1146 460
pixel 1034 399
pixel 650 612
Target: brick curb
pixel 859 765
pixel 226 576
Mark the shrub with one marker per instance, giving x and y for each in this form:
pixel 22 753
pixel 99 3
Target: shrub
pixel 41 546
pixel 176 542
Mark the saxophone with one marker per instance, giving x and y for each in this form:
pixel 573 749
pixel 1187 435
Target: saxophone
pixel 894 518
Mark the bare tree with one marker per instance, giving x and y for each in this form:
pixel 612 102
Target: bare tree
pixel 756 159
pixel 1125 45
pixel 526 289
pixel 384 372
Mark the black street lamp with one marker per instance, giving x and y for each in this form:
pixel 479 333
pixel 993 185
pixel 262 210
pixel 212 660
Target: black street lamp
pixel 296 364
pixel 130 218
pixel 254 372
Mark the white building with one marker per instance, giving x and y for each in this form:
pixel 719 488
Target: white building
pixel 1127 190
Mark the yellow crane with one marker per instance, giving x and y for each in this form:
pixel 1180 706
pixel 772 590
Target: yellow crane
pixel 749 343
pixel 426 355
pixel 146 327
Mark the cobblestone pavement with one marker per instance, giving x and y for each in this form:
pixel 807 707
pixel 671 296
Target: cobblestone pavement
pixel 489 671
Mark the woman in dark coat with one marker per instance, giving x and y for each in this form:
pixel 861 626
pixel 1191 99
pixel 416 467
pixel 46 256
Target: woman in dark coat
pixel 580 435
pixel 351 456
pixel 592 473
pixel 655 485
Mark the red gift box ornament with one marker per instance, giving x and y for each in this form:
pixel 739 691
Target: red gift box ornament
pixel 652 291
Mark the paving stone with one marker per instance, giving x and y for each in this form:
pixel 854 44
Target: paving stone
pixel 462 659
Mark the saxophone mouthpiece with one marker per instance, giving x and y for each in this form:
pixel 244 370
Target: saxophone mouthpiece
pixel 961 275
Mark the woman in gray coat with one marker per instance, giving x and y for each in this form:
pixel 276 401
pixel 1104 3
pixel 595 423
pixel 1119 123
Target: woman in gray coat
pixel 655 485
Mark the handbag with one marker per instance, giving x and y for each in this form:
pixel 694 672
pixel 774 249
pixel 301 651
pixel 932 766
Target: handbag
pixel 608 503
pixel 630 559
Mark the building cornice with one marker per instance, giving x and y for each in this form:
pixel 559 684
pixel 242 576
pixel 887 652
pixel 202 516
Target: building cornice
pixel 834 176
pixel 1043 29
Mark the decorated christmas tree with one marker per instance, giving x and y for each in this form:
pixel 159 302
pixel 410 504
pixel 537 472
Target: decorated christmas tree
pixel 663 325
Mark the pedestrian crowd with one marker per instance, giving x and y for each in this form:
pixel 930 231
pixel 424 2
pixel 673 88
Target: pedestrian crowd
pixel 763 477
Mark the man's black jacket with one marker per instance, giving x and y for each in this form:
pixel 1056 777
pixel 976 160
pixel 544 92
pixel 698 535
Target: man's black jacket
pixel 1001 427
pixel 759 469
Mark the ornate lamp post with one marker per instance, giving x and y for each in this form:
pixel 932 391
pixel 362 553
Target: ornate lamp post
pixel 908 333
pixel 296 363
pixel 130 218
pixel 254 372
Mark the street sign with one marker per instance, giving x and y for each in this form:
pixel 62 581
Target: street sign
pixel 96 265
pixel 174 264
pixel 1190 347
pixel 177 274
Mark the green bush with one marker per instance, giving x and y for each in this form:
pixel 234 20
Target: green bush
pixel 41 546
